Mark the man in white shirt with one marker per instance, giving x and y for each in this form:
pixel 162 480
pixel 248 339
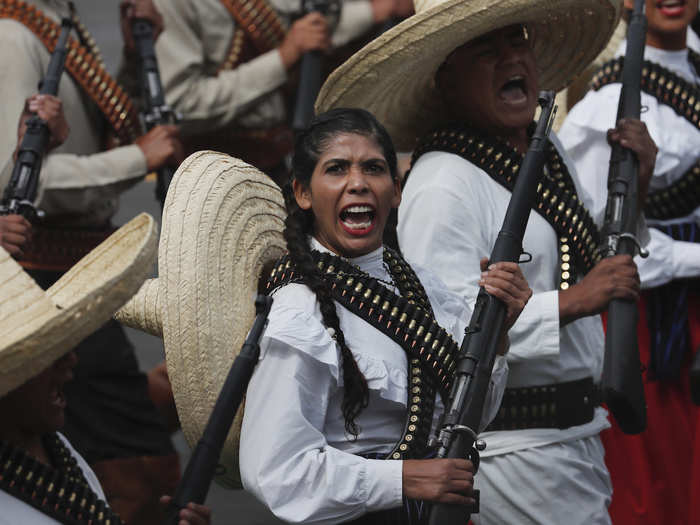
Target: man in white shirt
pixel 655 474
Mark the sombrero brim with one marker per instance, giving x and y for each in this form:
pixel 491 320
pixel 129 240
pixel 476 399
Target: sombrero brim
pixel 222 226
pixel 393 76
pixel 39 327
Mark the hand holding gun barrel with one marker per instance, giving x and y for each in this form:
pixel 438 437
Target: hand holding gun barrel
pixel 622 382
pixel 21 191
pixel 202 465
pixel 457 432
pixel 141 36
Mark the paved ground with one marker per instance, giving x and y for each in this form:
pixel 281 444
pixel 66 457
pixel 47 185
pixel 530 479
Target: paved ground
pixel 229 506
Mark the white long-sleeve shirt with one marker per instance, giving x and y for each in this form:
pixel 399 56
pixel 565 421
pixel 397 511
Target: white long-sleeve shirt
pixel 584 136
pixel 449 218
pixel 294 453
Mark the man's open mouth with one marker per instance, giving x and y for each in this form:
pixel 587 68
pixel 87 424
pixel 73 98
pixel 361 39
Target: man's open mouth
pixel 357 218
pixel 514 90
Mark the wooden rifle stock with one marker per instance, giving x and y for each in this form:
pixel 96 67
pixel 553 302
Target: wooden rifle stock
pixel 201 468
pixel 458 429
pixel 622 387
pixel 156 111
pixel 21 191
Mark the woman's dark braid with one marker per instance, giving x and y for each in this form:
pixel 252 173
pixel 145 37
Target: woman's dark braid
pixel 298 227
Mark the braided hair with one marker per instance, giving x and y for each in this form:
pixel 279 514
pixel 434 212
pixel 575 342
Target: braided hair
pixel 299 225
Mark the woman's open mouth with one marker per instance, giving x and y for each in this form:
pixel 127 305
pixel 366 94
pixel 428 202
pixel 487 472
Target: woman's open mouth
pixel 358 219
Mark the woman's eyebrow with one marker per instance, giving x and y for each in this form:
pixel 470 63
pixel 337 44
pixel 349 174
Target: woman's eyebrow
pixel 336 161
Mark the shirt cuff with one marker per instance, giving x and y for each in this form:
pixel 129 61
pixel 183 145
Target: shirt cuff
pixel 535 334
pixel 384 484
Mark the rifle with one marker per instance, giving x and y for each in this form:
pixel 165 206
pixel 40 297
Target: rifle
pixel 201 468
pixel 21 191
pixel 457 437
pixel 310 70
pixel 156 112
pixel 622 387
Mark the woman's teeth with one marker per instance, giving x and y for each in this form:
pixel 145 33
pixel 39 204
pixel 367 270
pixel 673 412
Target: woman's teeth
pixel 357 217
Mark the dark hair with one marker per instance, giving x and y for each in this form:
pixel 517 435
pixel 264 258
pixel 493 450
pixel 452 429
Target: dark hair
pixel 309 146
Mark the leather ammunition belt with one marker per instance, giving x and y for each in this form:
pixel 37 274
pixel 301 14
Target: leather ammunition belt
pixel 259 22
pixel 84 66
pixel 560 405
pixel 683 196
pixel 58 250
pixel 407 320
pixel 59 491
pixel 557 201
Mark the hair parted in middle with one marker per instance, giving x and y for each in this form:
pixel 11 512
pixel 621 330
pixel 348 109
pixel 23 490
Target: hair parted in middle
pixel 309 146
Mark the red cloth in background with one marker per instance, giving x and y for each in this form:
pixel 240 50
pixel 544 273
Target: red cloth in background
pixel 656 474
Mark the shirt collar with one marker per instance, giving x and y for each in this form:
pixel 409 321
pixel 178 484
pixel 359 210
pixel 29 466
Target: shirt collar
pixel 371 263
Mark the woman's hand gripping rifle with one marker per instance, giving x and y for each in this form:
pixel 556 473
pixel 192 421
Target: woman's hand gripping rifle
pixel 457 433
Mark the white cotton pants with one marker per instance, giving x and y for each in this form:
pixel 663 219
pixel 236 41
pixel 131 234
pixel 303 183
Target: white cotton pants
pixel 559 484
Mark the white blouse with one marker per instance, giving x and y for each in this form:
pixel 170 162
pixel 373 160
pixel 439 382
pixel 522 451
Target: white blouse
pixel 584 136
pixel 295 455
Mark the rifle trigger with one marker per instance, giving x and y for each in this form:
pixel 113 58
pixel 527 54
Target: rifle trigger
pixel 642 252
pixel 525 257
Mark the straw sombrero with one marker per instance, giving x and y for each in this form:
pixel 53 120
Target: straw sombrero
pixel 40 326
pixel 222 226
pixel 392 76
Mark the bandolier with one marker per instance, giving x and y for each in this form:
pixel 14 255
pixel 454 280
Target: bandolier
pixel 407 319
pixel 59 491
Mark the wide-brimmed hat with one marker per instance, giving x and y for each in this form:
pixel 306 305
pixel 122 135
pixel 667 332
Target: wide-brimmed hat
pixel 222 230
pixel 40 326
pixel 393 76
